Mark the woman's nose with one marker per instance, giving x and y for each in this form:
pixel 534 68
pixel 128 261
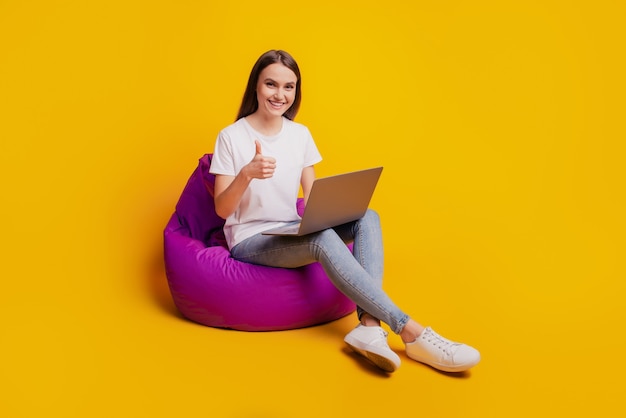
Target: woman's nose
pixel 279 94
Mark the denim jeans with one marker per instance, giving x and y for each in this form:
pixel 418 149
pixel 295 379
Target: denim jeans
pixel 357 274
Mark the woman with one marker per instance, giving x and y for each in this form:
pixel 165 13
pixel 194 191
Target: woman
pixel 260 163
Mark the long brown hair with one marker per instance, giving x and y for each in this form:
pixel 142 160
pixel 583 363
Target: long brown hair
pixel 249 103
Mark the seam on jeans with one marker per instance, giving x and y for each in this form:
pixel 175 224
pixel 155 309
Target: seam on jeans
pixel 365 296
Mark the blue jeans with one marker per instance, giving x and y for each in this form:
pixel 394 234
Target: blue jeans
pixel 357 274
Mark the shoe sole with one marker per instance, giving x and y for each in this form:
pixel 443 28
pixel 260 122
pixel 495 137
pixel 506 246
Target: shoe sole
pixel 379 360
pixel 446 368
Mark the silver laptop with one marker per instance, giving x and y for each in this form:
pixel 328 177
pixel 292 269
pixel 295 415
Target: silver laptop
pixel 333 201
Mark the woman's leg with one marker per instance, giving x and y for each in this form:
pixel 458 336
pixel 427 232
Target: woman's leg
pixel 366 236
pixel 358 276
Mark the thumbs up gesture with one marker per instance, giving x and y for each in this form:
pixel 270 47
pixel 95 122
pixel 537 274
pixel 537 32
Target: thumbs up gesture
pixel 258 147
pixel 261 167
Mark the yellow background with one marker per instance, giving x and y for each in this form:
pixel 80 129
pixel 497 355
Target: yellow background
pixel 500 126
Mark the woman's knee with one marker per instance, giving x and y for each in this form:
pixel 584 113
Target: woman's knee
pixel 371 216
pixel 372 213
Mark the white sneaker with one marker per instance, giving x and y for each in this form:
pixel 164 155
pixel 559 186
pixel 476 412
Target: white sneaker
pixel 441 353
pixel 371 342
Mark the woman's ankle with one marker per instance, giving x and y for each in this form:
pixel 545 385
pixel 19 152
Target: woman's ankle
pixel 411 331
pixel 369 321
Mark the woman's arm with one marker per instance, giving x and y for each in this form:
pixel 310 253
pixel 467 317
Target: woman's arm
pixel 228 193
pixel 230 189
pixel 306 181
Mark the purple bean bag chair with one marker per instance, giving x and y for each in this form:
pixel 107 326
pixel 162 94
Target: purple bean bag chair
pixel 210 287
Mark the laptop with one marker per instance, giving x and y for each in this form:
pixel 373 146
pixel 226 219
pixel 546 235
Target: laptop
pixel 333 201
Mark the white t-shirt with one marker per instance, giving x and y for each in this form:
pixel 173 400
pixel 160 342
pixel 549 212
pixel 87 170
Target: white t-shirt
pixel 266 203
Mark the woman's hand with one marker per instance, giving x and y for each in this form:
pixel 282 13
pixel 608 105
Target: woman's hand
pixel 229 189
pixel 261 167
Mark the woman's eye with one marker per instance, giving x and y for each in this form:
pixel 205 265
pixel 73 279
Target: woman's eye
pixel 268 84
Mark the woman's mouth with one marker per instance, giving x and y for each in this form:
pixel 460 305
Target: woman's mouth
pixel 276 105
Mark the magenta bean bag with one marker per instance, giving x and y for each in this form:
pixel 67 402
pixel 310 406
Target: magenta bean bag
pixel 210 287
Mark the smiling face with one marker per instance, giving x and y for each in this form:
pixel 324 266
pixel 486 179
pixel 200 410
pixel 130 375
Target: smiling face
pixel 275 90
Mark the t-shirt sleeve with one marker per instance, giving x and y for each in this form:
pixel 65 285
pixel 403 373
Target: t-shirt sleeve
pixel 223 161
pixel 312 155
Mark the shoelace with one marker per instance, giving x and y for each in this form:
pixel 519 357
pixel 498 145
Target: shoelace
pixel 445 345
pixel 383 333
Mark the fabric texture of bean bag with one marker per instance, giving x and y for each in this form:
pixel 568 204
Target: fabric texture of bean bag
pixel 209 287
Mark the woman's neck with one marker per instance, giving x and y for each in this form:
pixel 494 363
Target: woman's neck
pixel 266 126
